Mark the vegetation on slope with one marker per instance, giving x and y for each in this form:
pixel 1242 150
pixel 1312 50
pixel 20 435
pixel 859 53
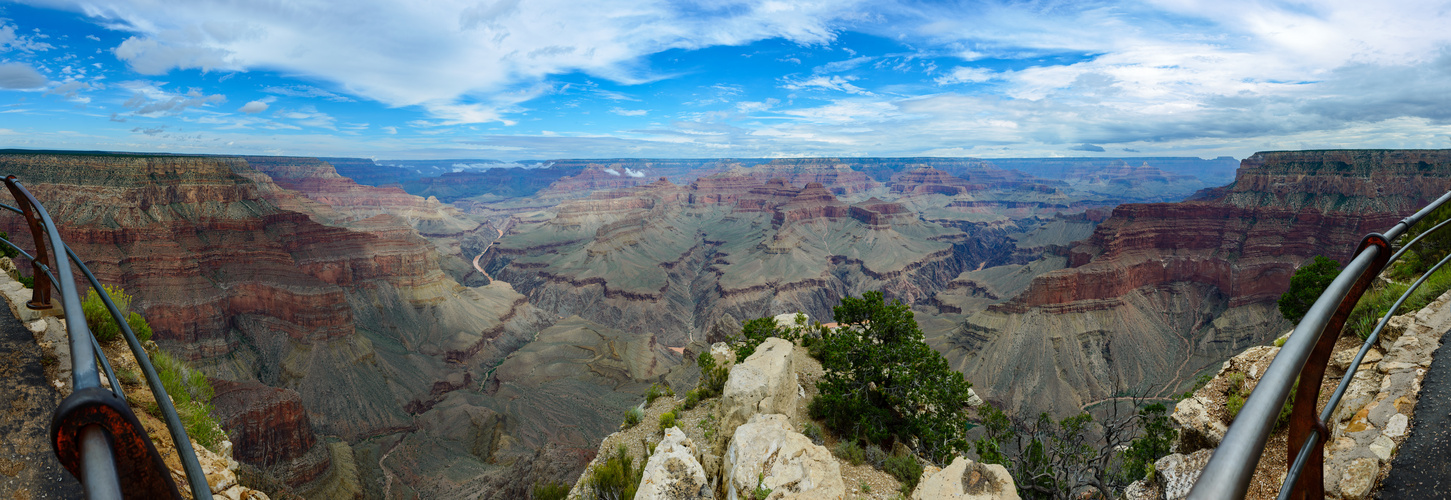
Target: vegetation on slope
pixel 103 325
pixel 883 384
pixel 1309 281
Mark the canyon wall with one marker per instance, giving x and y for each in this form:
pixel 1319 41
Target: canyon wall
pixel 357 318
pixel 1163 291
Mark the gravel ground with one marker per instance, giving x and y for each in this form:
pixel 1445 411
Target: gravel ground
pixel 1420 469
pixel 28 467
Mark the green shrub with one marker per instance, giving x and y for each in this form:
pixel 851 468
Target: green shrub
pixel 191 394
pixel 756 331
pixel 761 492
pixel 848 450
pixel 28 281
pixel 1236 382
pixel 875 455
pixel 652 394
pixel 633 417
pixel 880 375
pixel 906 469
pixel 6 250
pixel 103 325
pixel 692 398
pixel 139 326
pixel 1381 296
pixel 1308 282
pixel 813 431
pixel 1159 435
pixel 1280 342
pixel 1426 252
pixel 550 491
pixel 1233 403
pixel 617 478
pixel 712 377
pixel 667 420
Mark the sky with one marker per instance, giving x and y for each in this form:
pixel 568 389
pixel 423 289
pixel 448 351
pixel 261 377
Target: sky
pixel 539 79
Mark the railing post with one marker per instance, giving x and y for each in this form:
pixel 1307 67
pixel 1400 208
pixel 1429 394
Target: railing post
pixel 40 293
pixel 1304 417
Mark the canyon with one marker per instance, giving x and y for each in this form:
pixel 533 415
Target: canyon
pixel 1161 292
pixel 448 328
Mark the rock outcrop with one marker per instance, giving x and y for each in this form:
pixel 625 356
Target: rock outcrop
pixel 966 480
pixel 673 472
pixel 767 453
pixel 269 429
pixel 764 383
pixel 1367 429
pixel 1162 291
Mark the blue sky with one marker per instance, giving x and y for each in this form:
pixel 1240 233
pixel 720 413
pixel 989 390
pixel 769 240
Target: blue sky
pixel 515 79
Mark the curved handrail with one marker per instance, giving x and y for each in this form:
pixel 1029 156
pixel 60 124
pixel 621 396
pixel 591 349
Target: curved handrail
pixel 1303 456
pixel 1230 469
pixel 98 455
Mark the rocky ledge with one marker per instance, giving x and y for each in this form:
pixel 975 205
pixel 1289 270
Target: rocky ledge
pixel 748 442
pixel 1371 423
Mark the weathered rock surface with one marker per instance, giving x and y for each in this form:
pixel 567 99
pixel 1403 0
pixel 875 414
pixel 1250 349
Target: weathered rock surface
pixel 1162 291
pixel 766 452
pixel 764 383
pixel 670 259
pixel 1367 428
pixel 359 320
pixel 967 480
pixel 672 473
pixel 269 429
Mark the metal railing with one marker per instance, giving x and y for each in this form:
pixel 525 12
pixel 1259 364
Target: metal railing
pixel 93 431
pixel 1303 358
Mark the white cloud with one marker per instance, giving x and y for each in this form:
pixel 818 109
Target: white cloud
pixel 148 99
pixel 634 173
pixel 20 76
pixel 9 41
pixel 612 171
pixel 966 74
pixel 153 57
pixel 444 55
pixel 253 107
pixel 629 112
pixel 821 82
pixel 305 91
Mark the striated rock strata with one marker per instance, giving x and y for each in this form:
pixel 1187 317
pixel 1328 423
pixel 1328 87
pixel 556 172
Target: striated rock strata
pixel 358 320
pixel 667 260
pixel 1162 291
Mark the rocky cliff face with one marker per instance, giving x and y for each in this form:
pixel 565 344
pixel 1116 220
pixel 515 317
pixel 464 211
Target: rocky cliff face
pixel 331 198
pixel 667 259
pixel 1160 292
pixel 269 429
pixel 357 319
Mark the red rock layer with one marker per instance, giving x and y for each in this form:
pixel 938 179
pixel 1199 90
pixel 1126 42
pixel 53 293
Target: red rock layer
pixel 269 429
pixel 320 182
pixel 928 180
pixel 833 174
pixel 1247 239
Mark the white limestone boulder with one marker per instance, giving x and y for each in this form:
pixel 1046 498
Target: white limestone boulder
pixel 767 453
pixel 672 473
pixel 764 383
pixel 965 479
